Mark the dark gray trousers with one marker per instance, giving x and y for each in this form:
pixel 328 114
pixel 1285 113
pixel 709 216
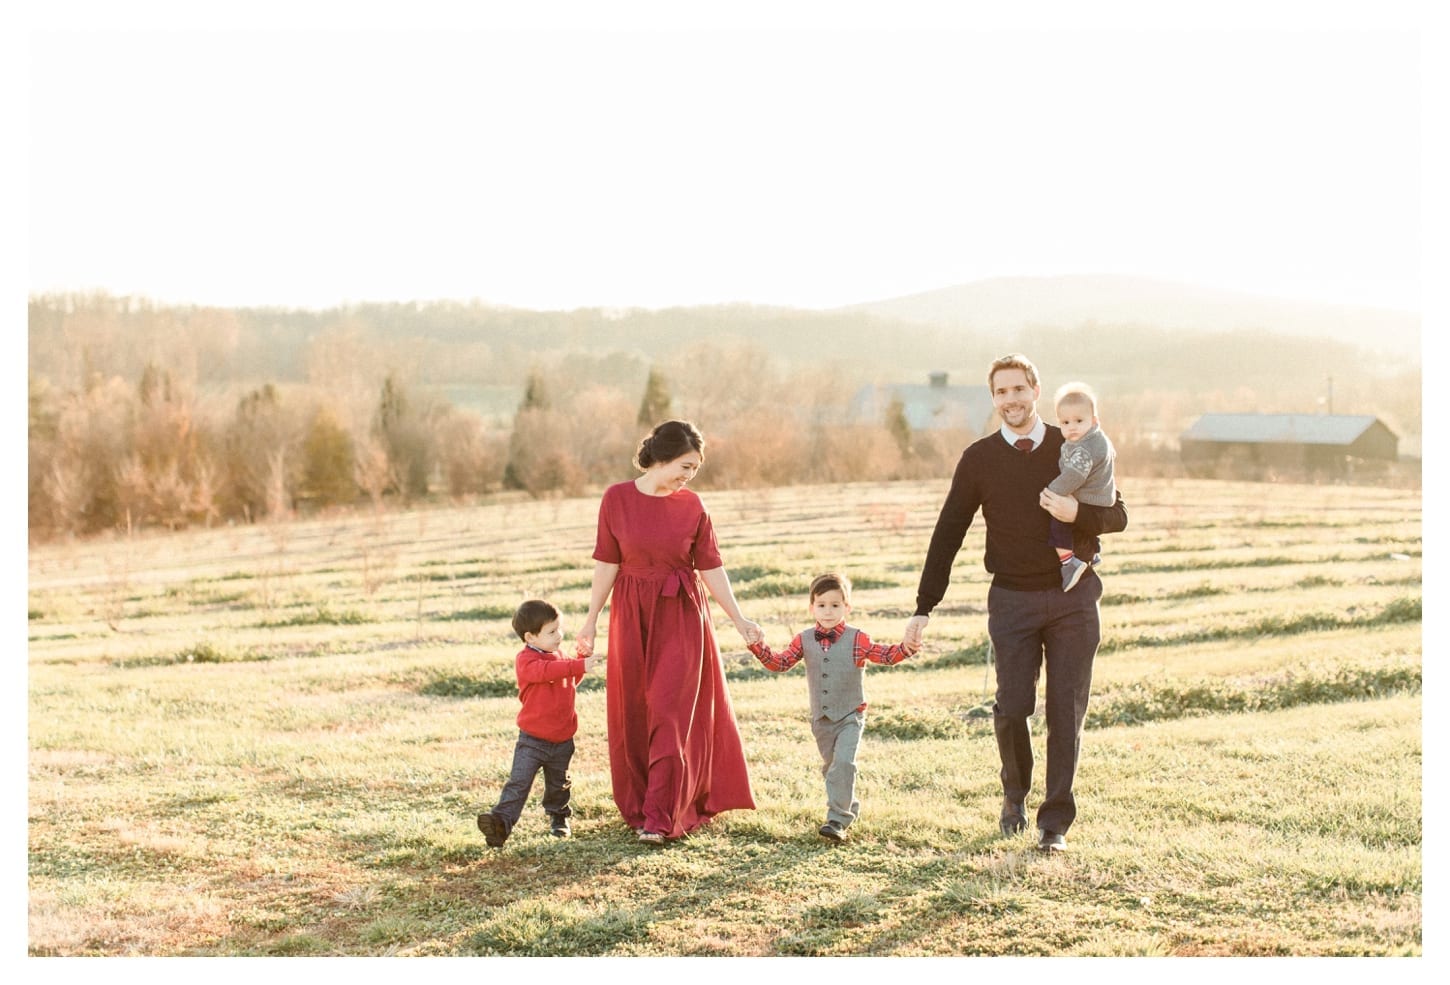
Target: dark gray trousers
pixel 532 754
pixel 1062 630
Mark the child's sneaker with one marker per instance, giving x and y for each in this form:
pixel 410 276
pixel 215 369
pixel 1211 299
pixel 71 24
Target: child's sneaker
pixel 832 831
pixel 1072 571
pixel 495 830
pixel 558 826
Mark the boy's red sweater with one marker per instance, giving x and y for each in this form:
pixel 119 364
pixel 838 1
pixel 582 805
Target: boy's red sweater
pixel 546 688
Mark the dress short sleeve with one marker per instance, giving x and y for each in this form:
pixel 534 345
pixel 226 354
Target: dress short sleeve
pixel 606 545
pixel 707 551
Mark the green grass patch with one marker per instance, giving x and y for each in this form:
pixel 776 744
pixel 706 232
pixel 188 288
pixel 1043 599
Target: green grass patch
pixel 322 615
pixel 909 725
pixel 480 613
pixel 1400 610
pixel 1152 702
pixel 197 653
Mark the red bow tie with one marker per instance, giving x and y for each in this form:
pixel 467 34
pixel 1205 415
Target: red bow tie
pixel 827 636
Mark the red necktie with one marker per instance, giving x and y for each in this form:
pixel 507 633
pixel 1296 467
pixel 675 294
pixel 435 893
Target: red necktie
pixel 1023 444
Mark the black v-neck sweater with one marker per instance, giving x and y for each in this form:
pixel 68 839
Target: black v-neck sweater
pixel 1004 484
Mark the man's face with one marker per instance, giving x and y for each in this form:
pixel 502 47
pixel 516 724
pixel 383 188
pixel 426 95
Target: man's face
pixel 1015 399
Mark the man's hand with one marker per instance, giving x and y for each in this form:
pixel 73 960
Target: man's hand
pixel 915 628
pixel 1062 508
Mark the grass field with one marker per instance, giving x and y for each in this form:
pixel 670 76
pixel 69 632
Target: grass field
pixel 273 740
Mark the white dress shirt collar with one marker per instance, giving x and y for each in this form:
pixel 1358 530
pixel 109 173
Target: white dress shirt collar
pixel 1038 432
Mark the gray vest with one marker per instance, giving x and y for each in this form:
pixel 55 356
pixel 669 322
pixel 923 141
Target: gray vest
pixel 834 678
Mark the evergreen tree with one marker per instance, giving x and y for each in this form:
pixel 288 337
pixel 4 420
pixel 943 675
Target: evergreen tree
pixel 655 407
pixel 403 436
pixel 538 459
pixel 536 393
pixel 899 426
pixel 327 461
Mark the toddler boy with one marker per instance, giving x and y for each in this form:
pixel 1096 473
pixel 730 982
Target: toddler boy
pixel 836 655
pixel 547 723
pixel 1085 471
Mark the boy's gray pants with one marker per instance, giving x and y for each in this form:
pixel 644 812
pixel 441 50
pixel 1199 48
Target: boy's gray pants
pixel 838 742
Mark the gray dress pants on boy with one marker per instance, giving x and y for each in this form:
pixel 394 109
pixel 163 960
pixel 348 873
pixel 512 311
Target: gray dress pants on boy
pixel 838 743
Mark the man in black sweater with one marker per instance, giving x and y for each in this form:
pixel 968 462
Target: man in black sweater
pixel 1030 619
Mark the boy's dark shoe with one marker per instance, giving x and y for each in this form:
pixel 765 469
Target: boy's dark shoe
pixel 1050 841
pixel 558 826
pixel 1014 817
pixel 832 831
pixel 1072 571
pixel 495 830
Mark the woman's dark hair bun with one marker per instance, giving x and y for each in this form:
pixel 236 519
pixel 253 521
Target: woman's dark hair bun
pixel 667 442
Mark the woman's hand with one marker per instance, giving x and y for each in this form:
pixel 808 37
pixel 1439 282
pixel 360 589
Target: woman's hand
pixel 750 631
pixel 584 639
pixel 1062 508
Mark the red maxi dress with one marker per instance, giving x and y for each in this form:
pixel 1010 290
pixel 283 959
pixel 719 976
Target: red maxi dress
pixel 675 755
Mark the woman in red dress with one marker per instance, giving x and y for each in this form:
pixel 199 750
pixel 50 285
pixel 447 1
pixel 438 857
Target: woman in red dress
pixel 674 752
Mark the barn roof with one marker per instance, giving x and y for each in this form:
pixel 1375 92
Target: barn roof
pixel 1297 429
pixel 927 407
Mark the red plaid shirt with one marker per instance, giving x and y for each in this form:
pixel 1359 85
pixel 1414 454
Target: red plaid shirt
pixel 865 652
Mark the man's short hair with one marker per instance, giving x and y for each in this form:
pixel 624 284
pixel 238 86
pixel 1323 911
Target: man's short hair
pixel 831 582
pixel 1013 360
pixel 533 616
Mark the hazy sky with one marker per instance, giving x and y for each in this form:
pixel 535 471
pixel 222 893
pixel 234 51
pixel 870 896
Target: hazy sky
pixel 557 168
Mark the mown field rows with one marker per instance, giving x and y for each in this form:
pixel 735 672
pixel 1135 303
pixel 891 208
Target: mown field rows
pixel 273 740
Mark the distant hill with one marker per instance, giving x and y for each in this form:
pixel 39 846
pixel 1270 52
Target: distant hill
pixel 1005 304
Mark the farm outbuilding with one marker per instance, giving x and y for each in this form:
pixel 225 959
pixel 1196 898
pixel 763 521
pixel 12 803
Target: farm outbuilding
pixel 932 406
pixel 1248 443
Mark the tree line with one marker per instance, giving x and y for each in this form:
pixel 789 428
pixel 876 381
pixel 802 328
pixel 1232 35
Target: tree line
pixel 124 455
pixel 141 416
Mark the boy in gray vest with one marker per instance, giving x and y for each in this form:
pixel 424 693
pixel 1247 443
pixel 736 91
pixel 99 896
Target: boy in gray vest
pixel 836 656
pixel 1085 471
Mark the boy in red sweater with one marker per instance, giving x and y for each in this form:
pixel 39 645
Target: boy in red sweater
pixel 547 723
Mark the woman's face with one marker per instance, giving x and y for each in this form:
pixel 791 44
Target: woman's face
pixel 671 476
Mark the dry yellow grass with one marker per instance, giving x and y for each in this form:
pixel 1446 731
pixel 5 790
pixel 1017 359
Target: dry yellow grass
pixel 271 740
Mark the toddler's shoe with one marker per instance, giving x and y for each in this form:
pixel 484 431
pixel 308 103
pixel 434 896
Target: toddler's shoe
pixel 1072 571
pixel 832 831
pixel 495 830
pixel 558 826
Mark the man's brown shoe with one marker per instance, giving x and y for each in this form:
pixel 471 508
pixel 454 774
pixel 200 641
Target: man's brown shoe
pixel 1014 817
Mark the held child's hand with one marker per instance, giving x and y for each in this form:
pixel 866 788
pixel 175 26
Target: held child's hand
pixel 584 644
pixel 751 632
pixel 590 662
pixel 915 631
pixel 910 647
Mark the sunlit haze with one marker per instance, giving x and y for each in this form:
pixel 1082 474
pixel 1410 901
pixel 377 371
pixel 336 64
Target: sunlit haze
pixel 561 169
